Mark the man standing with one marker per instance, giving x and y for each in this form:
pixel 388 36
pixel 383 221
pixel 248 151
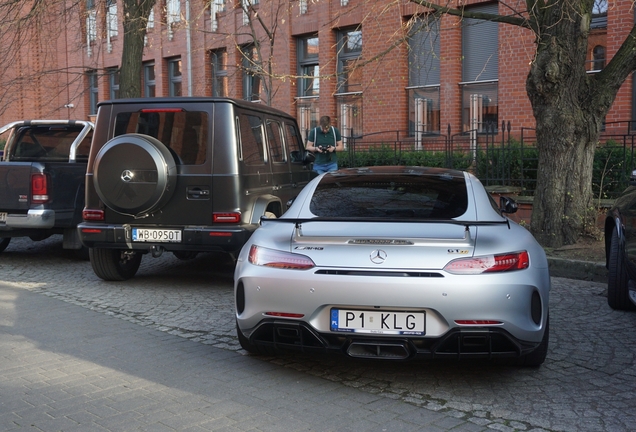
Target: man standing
pixel 324 141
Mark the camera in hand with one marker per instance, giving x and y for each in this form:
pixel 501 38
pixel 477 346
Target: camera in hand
pixel 323 148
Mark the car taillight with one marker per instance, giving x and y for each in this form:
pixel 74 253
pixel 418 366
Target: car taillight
pixel 489 263
pixel 226 217
pixel 284 260
pixel 92 215
pixel 39 188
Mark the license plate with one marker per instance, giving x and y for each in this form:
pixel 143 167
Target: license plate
pixel 156 235
pixel 378 322
pixel 3 217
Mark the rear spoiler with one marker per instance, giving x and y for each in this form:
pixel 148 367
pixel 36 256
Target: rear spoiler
pixel 300 221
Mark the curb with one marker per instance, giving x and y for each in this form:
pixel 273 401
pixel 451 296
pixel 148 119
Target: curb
pixel 580 270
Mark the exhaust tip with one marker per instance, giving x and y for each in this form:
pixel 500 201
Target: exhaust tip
pixel 394 351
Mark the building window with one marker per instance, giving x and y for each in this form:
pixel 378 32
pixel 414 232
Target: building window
pixel 149 80
pixel 91 26
pixel 218 59
pixel 308 69
pixel 111 20
pixel 93 92
pixel 480 72
pixel 247 6
pixel 216 7
pixel 598 58
pixel 113 83
pixel 349 51
pixel 174 77
pixel 349 115
pixel 251 74
pixel 173 11
pixel 424 78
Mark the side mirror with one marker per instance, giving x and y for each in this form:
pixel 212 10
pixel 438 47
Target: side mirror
pixel 290 202
pixel 507 205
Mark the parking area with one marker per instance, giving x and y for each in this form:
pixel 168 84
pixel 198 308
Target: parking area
pixel 588 382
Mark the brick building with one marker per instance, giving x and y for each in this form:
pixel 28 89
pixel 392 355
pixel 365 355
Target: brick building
pixel 453 75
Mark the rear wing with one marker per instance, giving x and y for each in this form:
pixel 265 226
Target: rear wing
pixel 466 224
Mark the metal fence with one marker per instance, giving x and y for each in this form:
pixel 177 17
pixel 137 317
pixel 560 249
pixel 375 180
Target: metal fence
pixel 496 157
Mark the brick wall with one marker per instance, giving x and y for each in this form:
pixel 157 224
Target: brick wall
pixel 385 104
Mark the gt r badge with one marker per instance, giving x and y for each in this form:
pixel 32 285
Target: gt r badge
pixel 378 256
pixel 458 251
pixel 308 248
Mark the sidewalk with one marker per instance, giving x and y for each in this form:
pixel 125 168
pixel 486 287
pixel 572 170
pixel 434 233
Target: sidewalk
pixel 581 270
pixel 67 368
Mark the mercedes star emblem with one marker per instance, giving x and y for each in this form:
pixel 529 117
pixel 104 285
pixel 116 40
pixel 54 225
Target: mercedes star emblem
pixel 378 256
pixel 127 176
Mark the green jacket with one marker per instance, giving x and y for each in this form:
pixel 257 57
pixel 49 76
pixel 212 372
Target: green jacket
pixel 329 139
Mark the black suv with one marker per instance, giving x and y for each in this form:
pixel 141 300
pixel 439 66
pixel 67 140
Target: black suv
pixel 185 175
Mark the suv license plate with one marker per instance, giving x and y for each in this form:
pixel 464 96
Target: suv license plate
pixel 156 235
pixel 378 322
pixel 3 217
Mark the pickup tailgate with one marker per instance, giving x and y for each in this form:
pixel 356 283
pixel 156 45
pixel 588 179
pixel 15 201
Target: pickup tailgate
pixel 15 185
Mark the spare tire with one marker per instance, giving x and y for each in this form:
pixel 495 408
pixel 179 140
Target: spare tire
pixel 134 174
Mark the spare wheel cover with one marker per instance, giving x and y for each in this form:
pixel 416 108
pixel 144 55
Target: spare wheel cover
pixel 134 174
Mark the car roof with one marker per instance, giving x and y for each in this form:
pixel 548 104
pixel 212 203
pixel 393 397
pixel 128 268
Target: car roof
pixel 187 100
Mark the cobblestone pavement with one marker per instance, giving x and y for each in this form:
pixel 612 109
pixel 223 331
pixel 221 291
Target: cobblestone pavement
pixel 588 382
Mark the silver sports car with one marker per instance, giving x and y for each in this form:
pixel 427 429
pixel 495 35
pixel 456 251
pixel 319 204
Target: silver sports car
pixel 395 263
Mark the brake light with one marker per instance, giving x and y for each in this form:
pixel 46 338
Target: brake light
pixel 92 215
pixel 226 217
pixel 261 256
pixel 284 314
pixel 39 188
pixel 489 263
pixel 161 110
pixel 478 322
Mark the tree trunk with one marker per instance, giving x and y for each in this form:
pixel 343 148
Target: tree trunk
pixel 562 208
pixel 135 21
pixel 568 128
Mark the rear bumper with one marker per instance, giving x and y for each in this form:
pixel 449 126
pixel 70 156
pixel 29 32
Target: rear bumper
pixel 40 219
pixel 195 238
pixel 482 342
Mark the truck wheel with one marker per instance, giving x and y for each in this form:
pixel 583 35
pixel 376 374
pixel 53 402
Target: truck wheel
pixel 134 174
pixel 4 243
pixel 114 264
pixel 617 278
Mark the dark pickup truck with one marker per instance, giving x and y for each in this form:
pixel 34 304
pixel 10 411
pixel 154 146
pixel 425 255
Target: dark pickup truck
pixel 42 172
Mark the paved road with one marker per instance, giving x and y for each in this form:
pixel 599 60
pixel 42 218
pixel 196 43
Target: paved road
pixel 159 352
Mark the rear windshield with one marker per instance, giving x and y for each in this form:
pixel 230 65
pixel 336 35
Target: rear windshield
pixel 390 196
pixel 49 143
pixel 184 132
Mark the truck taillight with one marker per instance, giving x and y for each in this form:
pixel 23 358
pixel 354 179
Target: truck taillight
pixel 92 215
pixel 39 188
pixel 226 217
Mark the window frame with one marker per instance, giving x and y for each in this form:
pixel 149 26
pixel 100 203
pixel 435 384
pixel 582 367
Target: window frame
pixel 175 80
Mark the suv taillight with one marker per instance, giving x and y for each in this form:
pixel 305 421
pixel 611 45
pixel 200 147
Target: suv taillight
pixel 92 215
pixel 39 188
pixel 226 217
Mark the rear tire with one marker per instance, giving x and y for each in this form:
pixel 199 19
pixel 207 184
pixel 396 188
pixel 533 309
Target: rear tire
pixel 537 357
pixel 245 342
pixel 4 243
pixel 250 347
pixel 617 278
pixel 114 264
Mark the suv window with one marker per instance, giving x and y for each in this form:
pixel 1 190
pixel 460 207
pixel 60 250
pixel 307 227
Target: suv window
pixel 184 132
pixel 292 138
pixel 251 140
pixel 275 141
